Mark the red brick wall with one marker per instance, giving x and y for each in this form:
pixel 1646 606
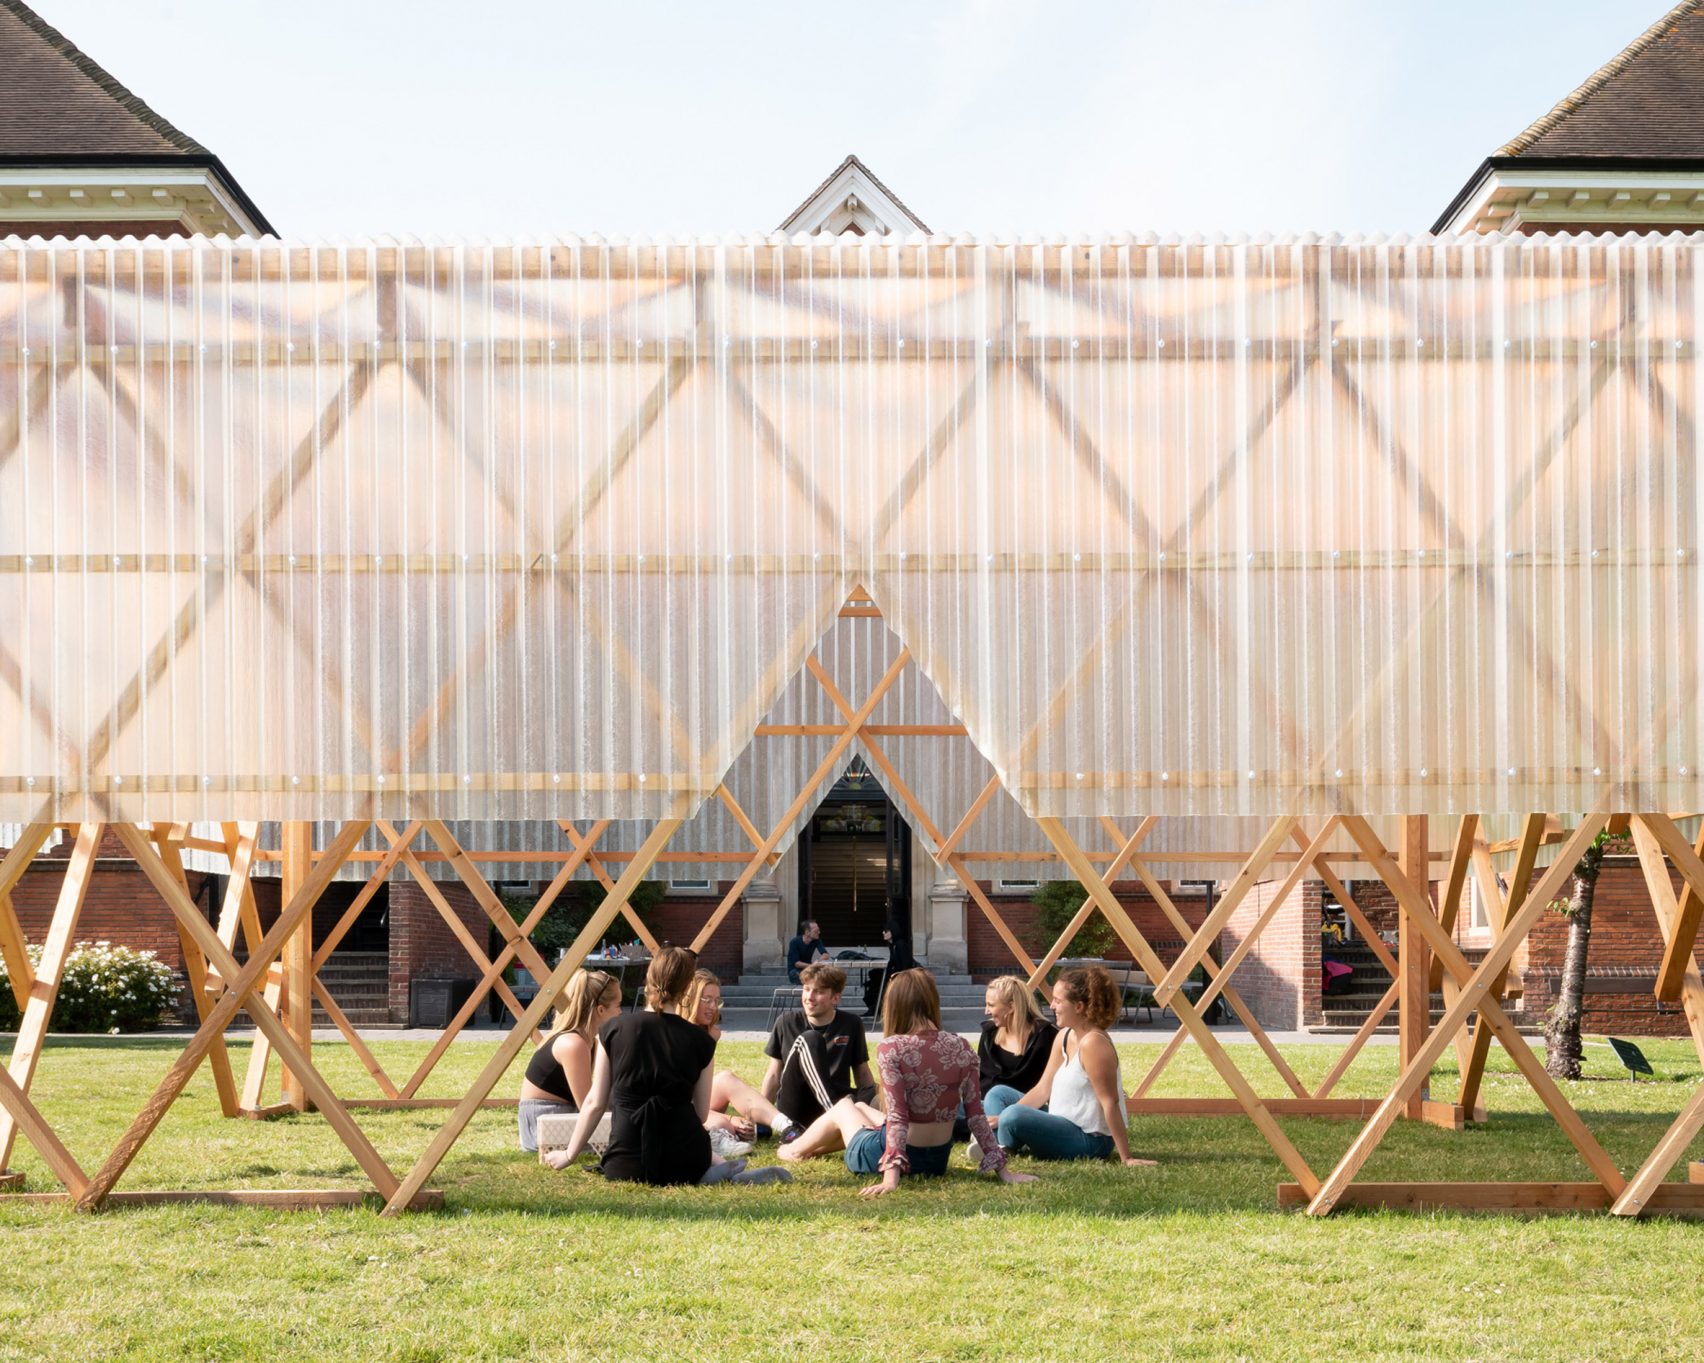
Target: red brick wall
pixel 1626 949
pixel 989 956
pixel 1279 978
pixel 421 942
pixel 677 919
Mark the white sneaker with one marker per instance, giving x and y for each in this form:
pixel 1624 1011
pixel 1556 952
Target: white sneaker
pixel 973 1155
pixel 724 1143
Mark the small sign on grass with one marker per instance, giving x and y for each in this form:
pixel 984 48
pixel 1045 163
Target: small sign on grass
pixel 1630 1056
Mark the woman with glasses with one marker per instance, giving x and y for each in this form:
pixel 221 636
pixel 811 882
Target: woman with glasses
pixel 730 1135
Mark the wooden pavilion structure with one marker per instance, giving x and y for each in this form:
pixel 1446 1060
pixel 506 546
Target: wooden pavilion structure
pixel 1335 552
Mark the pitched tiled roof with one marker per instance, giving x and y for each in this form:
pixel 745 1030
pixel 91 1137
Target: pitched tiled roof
pixel 1646 104
pixel 58 108
pixel 56 104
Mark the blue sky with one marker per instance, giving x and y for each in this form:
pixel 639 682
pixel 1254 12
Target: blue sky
pixel 509 117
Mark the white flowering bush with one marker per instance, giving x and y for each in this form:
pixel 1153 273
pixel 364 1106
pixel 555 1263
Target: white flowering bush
pixel 106 988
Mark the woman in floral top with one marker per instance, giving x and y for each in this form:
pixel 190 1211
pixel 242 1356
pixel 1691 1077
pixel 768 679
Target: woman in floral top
pixel 926 1074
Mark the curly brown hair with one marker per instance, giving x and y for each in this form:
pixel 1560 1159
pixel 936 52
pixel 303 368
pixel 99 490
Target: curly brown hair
pixel 1092 990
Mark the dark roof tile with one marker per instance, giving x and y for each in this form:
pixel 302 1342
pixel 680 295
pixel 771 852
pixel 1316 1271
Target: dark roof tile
pixel 1646 103
pixel 55 103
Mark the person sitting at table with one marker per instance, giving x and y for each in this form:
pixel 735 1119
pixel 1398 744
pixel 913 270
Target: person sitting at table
pixel 559 1075
pixel 898 939
pixel 1076 1109
pixel 817 1056
pixel 730 1136
pixel 651 1072
pixel 803 949
pixel 926 1074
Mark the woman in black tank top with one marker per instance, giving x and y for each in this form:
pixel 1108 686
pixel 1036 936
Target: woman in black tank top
pixel 559 1075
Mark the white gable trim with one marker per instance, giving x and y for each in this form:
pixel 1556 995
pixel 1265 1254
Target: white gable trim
pixel 851 198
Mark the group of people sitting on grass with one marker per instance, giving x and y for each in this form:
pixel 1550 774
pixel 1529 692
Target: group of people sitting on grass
pixel 644 1084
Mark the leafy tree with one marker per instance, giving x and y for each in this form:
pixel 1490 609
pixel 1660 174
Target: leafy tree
pixel 574 908
pixel 1058 902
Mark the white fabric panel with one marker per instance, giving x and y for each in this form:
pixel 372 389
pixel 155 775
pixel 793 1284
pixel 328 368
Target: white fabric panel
pixel 523 532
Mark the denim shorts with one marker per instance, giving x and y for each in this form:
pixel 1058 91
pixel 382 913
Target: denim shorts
pixel 864 1155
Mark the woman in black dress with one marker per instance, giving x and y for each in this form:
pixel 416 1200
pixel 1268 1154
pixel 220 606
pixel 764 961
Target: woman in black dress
pixel 652 1071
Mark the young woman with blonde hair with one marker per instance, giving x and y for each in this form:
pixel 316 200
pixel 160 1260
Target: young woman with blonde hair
pixel 651 1072
pixel 1016 1039
pixel 926 1074
pixel 1076 1109
pixel 729 1135
pixel 559 1075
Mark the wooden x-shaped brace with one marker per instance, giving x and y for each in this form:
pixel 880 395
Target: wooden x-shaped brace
pixel 549 989
pixel 1145 956
pixel 1475 993
pixel 241 994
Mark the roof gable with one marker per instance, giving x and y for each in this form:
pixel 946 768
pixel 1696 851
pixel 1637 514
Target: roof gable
pixel 1646 103
pixel 853 200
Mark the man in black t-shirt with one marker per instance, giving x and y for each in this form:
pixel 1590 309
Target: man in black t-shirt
pixel 817 1056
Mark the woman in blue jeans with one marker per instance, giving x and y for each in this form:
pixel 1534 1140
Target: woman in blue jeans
pixel 1076 1110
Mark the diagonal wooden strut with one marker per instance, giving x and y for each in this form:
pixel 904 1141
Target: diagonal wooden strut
pixel 240 994
pixel 835 755
pixel 1216 973
pixel 1475 991
pixel 925 826
pixel 61 935
pixel 1085 871
pixel 549 989
pixel 1651 834
pixel 494 971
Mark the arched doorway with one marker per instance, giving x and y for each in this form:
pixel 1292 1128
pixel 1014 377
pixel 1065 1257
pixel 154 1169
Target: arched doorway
pixel 855 862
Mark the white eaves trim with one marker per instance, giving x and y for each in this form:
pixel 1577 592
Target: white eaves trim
pixel 191 196
pixel 1567 198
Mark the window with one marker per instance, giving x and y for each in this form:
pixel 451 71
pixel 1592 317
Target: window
pixel 1017 886
pixel 690 887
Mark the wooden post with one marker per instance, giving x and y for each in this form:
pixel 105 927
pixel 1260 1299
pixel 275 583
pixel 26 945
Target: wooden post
pixel 298 956
pixel 61 936
pixel 1414 1014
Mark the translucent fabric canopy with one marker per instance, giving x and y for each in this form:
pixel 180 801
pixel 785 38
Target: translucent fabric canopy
pixel 540 531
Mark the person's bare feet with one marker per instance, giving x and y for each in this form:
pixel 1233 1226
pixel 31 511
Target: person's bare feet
pixel 792 1151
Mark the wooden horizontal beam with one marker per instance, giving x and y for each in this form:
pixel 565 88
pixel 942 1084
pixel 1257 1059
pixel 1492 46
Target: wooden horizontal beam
pixel 278 1199
pixel 1230 1107
pixel 543 563
pixel 1672 1199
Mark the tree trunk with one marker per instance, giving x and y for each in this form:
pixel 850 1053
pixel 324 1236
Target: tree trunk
pixel 1562 1048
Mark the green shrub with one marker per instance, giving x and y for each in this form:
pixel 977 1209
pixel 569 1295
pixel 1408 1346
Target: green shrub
pixel 574 908
pixel 1059 901
pixel 105 988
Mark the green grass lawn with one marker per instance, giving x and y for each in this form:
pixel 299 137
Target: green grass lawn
pixel 1186 1261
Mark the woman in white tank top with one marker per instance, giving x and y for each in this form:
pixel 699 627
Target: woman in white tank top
pixel 1076 1110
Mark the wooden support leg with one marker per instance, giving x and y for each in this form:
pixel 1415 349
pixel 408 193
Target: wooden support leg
pixel 1503 907
pixel 1475 992
pixel 61 935
pixel 13 948
pixel 1636 1197
pixel 1414 1007
pixel 1265 1123
pixel 298 958
pixel 16 1105
pixel 169 840
pixel 240 994
pixel 415 1180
